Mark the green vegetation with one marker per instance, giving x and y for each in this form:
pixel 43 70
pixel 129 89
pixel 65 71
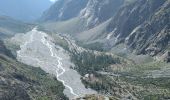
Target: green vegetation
pixel 58 40
pixel 129 79
pixel 103 84
pixel 22 82
pixel 149 77
pixel 141 70
pixel 133 79
pixel 93 46
pixel 13 48
pixel 88 62
pixel 96 97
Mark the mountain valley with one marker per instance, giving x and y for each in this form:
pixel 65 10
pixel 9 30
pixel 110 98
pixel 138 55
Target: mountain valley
pixel 88 50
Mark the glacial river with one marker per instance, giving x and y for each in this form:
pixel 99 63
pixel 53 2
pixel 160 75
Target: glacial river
pixel 38 49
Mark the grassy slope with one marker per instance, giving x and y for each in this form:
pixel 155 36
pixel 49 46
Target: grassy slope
pixel 22 82
pixel 141 80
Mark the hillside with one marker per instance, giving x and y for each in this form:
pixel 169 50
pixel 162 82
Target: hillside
pixel 9 26
pixel 142 25
pixel 143 29
pixel 87 50
pixel 116 77
pixel 19 81
pixel 64 10
pixel 134 34
pixel 85 15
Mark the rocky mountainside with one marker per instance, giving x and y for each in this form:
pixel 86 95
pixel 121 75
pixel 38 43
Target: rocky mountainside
pixel 142 25
pixel 101 27
pixel 98 11
pixel 93 12
pixel 64 10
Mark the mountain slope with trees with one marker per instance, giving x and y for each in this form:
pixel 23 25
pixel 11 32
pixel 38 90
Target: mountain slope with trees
pixel 142 25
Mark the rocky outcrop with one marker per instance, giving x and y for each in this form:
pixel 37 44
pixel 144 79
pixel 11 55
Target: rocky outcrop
pixel 143 26
pixel 98 11
pixel 64 10
pixel 93 11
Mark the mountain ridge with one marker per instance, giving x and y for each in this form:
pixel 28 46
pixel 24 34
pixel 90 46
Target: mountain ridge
pixel 129 24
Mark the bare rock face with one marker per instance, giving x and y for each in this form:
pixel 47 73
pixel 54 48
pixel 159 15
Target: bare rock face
pixel 93 11
pixel 64 10
pixel 98 11
pixel 143 26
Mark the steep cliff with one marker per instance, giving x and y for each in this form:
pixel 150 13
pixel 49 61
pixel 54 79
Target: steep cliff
pixel 144 26
pixel 92 12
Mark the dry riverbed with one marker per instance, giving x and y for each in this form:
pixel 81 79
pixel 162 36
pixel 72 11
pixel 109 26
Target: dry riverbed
pixel 37 49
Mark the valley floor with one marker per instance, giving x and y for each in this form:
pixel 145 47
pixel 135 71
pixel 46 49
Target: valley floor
pixel 83 71
pixel 38 49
